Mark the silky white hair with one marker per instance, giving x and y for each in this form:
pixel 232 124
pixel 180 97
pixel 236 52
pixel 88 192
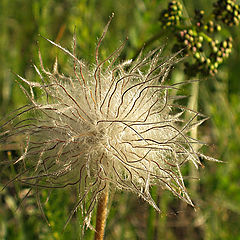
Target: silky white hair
pixel 112 125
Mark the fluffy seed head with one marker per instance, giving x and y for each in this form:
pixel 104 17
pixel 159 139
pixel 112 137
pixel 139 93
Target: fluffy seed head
pixel 110 125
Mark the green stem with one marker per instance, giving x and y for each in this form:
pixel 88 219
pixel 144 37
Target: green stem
pixel 152 214
pixel 205 36
pixel 193 105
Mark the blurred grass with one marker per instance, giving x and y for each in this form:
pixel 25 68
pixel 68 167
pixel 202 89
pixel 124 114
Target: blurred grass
pixel 218 207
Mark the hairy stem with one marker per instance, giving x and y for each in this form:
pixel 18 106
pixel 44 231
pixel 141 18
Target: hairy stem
pixel 101 216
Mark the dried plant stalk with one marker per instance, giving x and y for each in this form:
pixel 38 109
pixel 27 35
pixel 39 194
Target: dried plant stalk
pixel 101 216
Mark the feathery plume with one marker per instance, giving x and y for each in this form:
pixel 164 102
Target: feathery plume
pixel 110 125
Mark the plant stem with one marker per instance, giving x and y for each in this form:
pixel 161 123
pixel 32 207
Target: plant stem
pixel 193 104
pixel 101 216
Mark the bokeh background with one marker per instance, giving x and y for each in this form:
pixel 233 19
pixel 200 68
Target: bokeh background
pixel 217 193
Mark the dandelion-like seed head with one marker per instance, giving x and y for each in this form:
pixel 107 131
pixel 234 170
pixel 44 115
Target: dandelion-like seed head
pixel 112 125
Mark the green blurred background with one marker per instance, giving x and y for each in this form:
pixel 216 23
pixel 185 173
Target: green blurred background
pixel 217 195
